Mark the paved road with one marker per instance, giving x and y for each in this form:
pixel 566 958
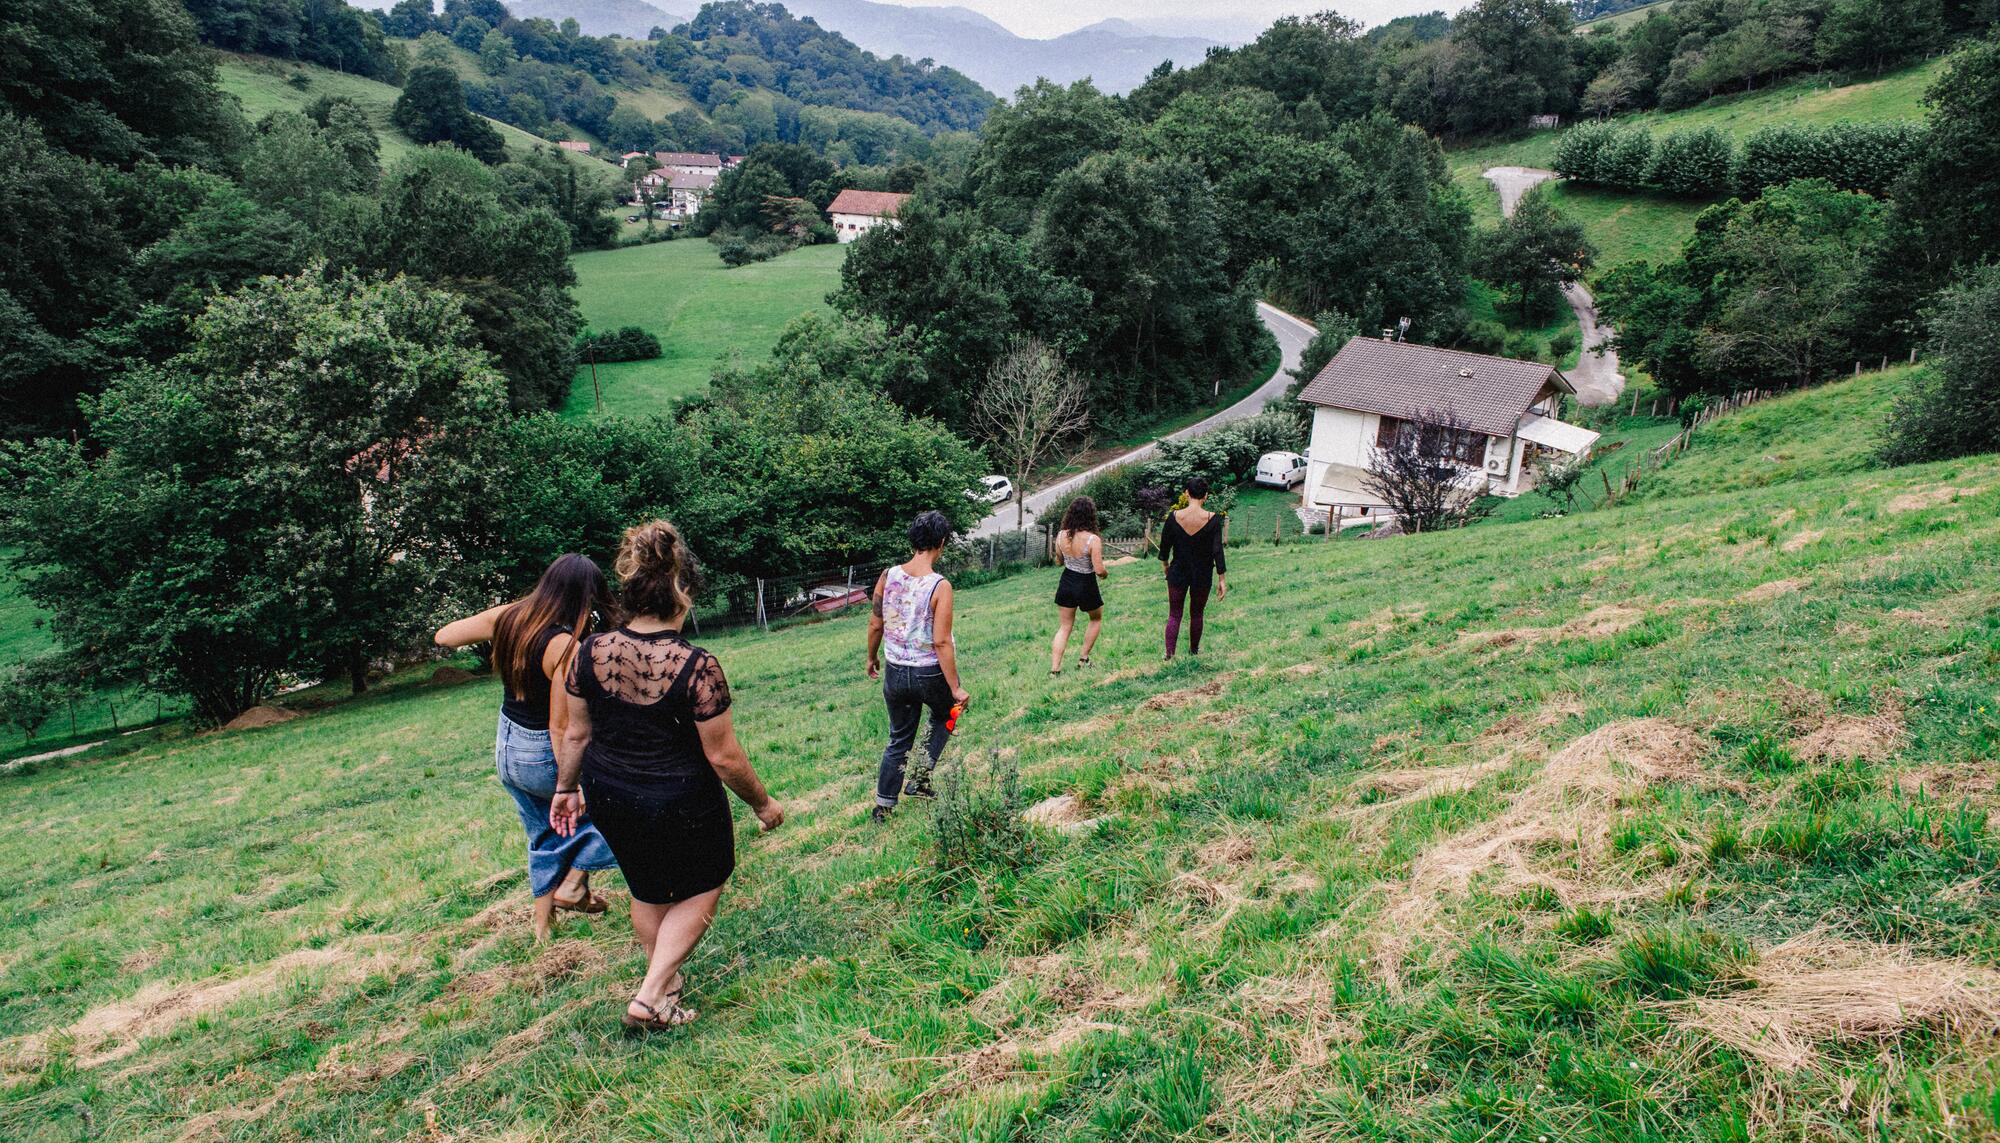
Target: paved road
pixel 1596 375
pixel 1292 335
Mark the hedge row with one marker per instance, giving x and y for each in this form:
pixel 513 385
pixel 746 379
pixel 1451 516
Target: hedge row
pixel 628 344
pixel 1703 162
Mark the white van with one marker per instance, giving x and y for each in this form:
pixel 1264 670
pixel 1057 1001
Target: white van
pixel 1280 469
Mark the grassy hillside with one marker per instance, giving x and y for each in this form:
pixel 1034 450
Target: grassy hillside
pixel 703 312
pixel 264 86
pixel 1628 16
pixel 1629 226
pixel 1665 823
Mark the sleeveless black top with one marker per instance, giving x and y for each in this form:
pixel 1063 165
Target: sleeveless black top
pixel 646 692
pixel 531 711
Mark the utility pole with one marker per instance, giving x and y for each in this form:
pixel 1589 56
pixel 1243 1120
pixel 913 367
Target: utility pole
pixel 591 352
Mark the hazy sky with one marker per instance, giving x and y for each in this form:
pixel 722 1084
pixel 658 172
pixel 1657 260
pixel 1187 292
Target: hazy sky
pixel 1044 18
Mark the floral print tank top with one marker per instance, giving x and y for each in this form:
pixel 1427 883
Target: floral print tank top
pixel 907 638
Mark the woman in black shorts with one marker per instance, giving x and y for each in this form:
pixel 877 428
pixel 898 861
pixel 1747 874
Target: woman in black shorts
pixel 649 746
pixel 1082 553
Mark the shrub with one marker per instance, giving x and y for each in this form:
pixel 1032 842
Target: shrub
pixel 1562 344
pixel 1953 407
pixel 1693 164
pixel 1866 157
pixel 977 821
pixel 629 343
pixel 1580 149
pixel 1488 337
pixel 1627 158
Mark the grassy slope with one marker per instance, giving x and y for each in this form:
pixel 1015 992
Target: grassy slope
pixel 1630 226
pixel 703 312
pixel 261 84
pixel 1216 962
pixel 1628 16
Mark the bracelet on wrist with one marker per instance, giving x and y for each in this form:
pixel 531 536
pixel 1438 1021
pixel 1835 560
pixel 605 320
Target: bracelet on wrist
pixel 574 790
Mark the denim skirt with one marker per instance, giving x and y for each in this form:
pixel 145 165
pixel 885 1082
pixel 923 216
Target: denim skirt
pixel 526 762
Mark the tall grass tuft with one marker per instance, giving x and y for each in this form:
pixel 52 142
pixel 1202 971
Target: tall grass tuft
pixel 977 821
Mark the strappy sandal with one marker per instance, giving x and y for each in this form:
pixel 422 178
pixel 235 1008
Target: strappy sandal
pixel 668 1014
pixel 1083 662
pixel 591 903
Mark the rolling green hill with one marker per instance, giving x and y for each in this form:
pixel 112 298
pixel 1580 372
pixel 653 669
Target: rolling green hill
pixel 1627 226
pixel 1666 822
pixel 265 85
pixel 704 313
pixel 1628 16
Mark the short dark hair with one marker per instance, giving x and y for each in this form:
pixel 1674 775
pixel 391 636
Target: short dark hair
pixel 1197 487
pixel 929 531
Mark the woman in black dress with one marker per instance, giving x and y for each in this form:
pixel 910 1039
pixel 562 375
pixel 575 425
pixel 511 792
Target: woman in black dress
pixel 650 745
pixel 1082 552
pixel 1191 555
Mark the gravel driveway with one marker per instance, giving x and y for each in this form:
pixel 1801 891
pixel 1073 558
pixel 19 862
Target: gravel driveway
pixel 1596 375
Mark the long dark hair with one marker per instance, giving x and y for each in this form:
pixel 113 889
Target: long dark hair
pixel 569 591
pixel 1081 516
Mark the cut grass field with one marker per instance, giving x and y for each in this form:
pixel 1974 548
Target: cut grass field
pixel 1668 822
pixel 1627 226
pixel 704 313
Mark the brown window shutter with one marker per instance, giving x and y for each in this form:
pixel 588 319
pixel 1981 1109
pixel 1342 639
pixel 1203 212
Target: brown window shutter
pixel 1385 432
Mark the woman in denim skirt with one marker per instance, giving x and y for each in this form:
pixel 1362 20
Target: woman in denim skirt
pixel 533 640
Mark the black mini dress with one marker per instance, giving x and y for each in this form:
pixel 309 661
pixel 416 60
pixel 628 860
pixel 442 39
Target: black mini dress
pixel 647 783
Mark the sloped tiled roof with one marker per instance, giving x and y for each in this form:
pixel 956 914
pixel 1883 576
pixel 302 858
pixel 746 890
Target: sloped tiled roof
pixel 881 204
pixel 687 159
pixel 1401 379
pixel 685 180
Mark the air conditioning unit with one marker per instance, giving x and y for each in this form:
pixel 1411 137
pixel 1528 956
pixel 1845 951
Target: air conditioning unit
pixel 1497 465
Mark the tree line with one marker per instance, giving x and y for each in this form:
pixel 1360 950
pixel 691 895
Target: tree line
pixel 1802 281
pixel 1702 162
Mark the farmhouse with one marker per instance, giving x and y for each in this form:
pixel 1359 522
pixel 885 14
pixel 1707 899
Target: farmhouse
pixel 688 162
pixel 1373 390
pixel 856 212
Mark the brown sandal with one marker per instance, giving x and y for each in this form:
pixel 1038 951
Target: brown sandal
pixel 592 902
pixel 669 1014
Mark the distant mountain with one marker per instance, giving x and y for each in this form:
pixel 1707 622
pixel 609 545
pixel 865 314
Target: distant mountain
pixel 629 18
pixel 1116 54
pixel 1231 30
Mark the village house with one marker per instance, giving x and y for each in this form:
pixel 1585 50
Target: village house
pixel 856 212
pixel 688 162
pixel 676 194
pixel 1373 390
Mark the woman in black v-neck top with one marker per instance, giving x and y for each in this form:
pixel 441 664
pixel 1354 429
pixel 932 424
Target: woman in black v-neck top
pixel 1192 556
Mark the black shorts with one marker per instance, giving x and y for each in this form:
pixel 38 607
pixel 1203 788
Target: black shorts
pixel 1079 590
pixel 672 842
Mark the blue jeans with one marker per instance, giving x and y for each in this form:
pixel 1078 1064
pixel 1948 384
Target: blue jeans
pixel 526 762
pixel 907 691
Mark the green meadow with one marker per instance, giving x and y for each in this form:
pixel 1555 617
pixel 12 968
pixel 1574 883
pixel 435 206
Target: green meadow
pixel 1664 822
pixel 1626 226
pixel 705 314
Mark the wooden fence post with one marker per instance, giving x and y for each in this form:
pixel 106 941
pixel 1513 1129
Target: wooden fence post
pixel 763 623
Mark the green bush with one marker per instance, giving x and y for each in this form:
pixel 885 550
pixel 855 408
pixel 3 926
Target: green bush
pixel 629 343
pixel 1626 160
pixel 1953 407
pixel 1580 149
pixel 1693 164
pixel 1866 157
pixel 1562 344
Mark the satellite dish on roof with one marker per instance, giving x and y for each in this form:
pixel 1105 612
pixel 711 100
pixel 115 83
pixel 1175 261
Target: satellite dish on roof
pixel 1465 371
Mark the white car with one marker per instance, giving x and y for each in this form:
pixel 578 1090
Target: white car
pixel 991 490
pixel 1280 469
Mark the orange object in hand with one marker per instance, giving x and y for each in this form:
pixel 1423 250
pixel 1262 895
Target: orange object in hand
pixel 951 720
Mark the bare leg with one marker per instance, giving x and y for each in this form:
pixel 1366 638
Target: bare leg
pixel 1064 626
pixel 677 928
pixel 545 916
pixel 1091 632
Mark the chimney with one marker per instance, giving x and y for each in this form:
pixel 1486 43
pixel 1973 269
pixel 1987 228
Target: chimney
pixel 1388 335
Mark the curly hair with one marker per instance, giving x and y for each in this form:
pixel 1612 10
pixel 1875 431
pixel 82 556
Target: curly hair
pixel 656 572
pixel 1081 516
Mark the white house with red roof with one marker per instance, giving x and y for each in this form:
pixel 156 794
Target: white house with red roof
pixel 856 212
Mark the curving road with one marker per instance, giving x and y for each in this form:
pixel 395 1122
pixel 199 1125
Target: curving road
pixel 1292 335
pixel 1596 375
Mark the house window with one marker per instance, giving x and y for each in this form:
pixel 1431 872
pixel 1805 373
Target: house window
pixel 1462 445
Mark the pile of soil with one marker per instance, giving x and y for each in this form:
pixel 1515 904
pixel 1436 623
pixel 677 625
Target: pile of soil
pixel 451 676
pixel 258 717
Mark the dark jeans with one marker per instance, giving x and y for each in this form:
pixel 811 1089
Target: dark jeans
pixel 1196 597
pixel 907 691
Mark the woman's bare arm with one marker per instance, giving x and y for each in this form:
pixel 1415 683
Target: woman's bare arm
pixel 947 651
pixel 555 664
pixel 1097 557
pixel 732 764
pixel 472 629
pixel 567 806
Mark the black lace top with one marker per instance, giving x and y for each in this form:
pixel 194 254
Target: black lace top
pixel 645 693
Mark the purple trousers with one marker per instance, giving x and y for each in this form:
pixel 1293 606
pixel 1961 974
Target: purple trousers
pixel 1195 600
